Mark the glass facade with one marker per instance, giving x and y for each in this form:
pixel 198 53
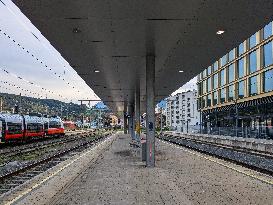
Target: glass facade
pixel 253 90
pixel 231 93
pixel 243 77
pixel 231 74
pixel 241 89
pixel 253 62
pixel 252 41
pixel 268 57
pixel 268 30
pixel 268 81
pixel 241 68
pixel 223 80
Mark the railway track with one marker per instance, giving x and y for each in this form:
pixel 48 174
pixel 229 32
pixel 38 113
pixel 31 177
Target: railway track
pixel 17 177
pixel 258 161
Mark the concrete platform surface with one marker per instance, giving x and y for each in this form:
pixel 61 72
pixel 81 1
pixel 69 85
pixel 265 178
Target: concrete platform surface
pixel 181 177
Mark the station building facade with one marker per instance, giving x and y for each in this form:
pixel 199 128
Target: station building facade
pixel 235 93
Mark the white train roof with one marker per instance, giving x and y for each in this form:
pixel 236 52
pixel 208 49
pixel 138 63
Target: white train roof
pixel 15 118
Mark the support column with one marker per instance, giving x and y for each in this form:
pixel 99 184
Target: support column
pixel 137 111
pixel 125 119
pixel 131 122
pixel 150 111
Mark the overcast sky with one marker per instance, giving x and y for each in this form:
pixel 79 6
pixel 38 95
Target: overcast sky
pixel 50 76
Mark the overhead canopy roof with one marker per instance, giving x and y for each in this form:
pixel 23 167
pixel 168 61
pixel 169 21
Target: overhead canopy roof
pixel 114 36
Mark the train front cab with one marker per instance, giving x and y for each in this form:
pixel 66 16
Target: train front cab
pixel 56 127
pixel 12 127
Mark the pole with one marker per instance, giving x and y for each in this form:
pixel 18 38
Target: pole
pixel 236 107
pixel 137 112
pixel 161 120
pixel 1 103
pixel 150 110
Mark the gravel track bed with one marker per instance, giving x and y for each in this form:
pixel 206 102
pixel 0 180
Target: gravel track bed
pixel 261 163
pixel 22 160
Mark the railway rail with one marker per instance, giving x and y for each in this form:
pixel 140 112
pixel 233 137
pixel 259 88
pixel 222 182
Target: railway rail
pixel 258 161
pixel 17 177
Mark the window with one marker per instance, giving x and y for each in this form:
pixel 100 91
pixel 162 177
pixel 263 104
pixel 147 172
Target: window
pixel 253 62
pixel 241 49
pixel 209 100
pixel 241 68
pixel 252 41
pixel 14 128
pixel 223 95
pixel 231 55
pixel 200 89
pixel 204 87
pixel 215 98
pixel 268 81
pixel 223 60
pixel 223 77
pixel 215 66
pixel 253 86
pixel 204 73
pixel 34 127
pixel 55 124
pixel 215 81
pixel 203 102
pixel 241 89
pixel 209 70
pixel 231 73
pixel 231 93
pixel 268 30
pixel 268 57
pixel 209 84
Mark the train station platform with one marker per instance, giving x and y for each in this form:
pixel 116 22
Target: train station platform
pixel 112 173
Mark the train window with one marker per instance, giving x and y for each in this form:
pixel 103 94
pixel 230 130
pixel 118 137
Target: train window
pixel 34 127
pixel 54 124
pixel 46 125
pixel 14 128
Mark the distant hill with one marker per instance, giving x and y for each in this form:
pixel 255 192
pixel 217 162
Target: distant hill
pixel 44 106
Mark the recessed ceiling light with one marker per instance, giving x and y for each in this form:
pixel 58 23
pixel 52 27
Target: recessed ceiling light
pixel 96 71
pixel 181 71
pixel 220 32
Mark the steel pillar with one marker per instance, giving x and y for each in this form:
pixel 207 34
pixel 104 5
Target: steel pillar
pixel 137 112
pixel 131 122
pixel 125 119
pixel 150 111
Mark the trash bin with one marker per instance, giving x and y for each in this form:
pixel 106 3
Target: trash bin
pixel 143 149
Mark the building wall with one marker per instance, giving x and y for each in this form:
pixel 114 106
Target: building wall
pixel 182 108
pixel 243 74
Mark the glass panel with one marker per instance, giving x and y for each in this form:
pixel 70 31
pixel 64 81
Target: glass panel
pixel 253 62
pixel 252 41
pixel 223 95
pixel 241 87
pixel 268 30
pixel 209 84
pixel 231 73
pixel 215 98
pixel 204 87
pixel 209 101
pixel 223 77
pixel 204 73
pixel 215 66
pixel 231 55
pixel 231 93
pixel 268 81
pixel 223 60
pixel 241 49
pixel 209 70
pixel 241 65
pixel 268 57
pixel 204 101
pixel 215 81
pixel 253 86
pixel 200 89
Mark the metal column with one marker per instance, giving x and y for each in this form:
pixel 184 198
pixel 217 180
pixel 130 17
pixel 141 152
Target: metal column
pixel 131 122
pixel 125 119
pixel 150 110
pixel 137 112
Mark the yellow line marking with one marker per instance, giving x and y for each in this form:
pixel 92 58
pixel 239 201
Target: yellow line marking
pixel 222 164
pixel 53 174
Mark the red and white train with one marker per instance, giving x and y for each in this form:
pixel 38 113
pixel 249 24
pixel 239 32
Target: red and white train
pixel 22 127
